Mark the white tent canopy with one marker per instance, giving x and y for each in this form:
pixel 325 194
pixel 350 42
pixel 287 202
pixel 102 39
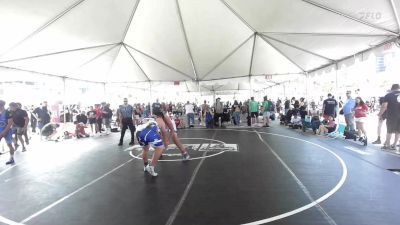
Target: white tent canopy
pixel 203 42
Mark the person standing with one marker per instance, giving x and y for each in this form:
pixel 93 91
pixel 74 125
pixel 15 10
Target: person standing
pixel 43 115
pixel 253 105
pixel 287 106
pixel 204 109
pixel 99 118
pixel 34 120
pixel 348 111
pixel 391 104
pixel 266 113
pixel 92 119
pixel 329 107
pixel 126 121
pixel 360 114
pixel 189 110
pixel 6 123
pixel 167 122
pixel 20 122
pixel 236 113
pixel 107 116
pixel 380 122
pixel 218 111
pixel 148 134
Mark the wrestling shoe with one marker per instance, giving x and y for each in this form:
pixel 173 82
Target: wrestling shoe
pixel 186 156
pixel 150 170
pixel 11 161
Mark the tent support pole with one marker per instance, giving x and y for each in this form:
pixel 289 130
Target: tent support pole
pixel 178 10
pixel 396 14
pixel 226 57
pixel 60 52
pixel 172 68
pixel 44 26
pixel 64 101
pixel 348 16
pixel 298 48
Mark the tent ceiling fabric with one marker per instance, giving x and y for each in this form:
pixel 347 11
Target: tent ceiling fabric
pixel 189 40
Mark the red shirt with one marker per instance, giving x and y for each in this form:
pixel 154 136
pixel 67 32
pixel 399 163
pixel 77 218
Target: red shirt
pixel 99 113
pixel 360 111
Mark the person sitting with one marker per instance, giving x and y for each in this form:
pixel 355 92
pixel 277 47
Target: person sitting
pixel 315 120
pixel 296 122
pixel 327 127
pixel 80 130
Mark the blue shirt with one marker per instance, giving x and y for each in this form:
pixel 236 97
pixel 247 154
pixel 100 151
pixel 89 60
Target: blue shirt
pixel 349 106
pixel 126 111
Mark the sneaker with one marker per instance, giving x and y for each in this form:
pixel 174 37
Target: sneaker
pixel 131 143
pixel 11 161
pixel 392 147
pixel 150 170
pixel 23 149
pixel 377 142
pixel 186 157
pixel 385 147
pixel 120 143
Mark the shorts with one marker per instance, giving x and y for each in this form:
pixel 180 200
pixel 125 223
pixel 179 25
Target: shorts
pixel 266 114
pixel 360 120
pixel 393 125
pixel 254 114
pixel 92 121
pixel 331 129
pixel 18 131
pixel 8 137
pixel 106 121
pixel 149 136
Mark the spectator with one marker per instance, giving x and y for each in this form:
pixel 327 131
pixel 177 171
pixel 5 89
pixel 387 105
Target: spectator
pixel 92 119
pixel 82 118
pixel 329 107
pixel 329 127
pixel 253 105
pixel 315 120
pixel 189 110
pixel 287 106
pixel 391 104
pixel 236 113
pixel 43 115
pixel 380 122
pixel 360 113
pixel 348 112
pixel 99 118
pixel 266 113
pixel 218 111
pixel 204 109
pixel 6 123
pixel 21 121
pixel 107 116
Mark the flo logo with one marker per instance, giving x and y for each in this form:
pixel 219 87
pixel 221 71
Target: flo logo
pixel 198 148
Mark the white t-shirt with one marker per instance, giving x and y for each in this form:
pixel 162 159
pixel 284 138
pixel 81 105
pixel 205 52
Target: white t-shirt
pixel 189 108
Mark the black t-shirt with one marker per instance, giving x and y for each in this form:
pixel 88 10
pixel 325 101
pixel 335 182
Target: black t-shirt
pixel 330 106
pixel 287 104
pixel 393 109
pixel 157 109
pixel 19 117
pixel 91 115
pixel 81 118
pixel 43 114
pixel 107 113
